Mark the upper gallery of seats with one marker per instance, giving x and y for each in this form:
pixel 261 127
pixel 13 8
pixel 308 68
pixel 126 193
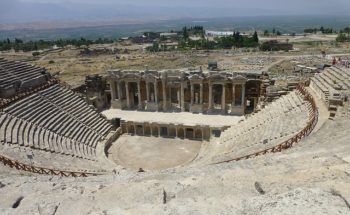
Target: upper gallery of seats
pixel 17 76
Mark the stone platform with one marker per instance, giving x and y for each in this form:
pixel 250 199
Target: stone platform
pixel 183 118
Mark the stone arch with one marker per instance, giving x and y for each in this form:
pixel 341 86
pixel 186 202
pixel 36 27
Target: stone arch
pixel 139 130
pixel 147 128
pixel 155 131
pixel 198 134
pixel 172 131
pixel 180 133
pixel 189 132
pixel 131 129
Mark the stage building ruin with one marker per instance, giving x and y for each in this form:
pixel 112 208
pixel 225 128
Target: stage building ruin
pixel 196 91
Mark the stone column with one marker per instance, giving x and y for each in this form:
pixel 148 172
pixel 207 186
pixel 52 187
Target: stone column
pixel 179 97
pixel 223 102
pixel 164 95
pixel 210 96
pixel 243 95
pixel 182 97
pixel 156 92
pixel 139 94
pixel 127 94
pixel 119 90
pixel 233 94
pixel 151 129
pixel 201 94
pixel 112 85
pixel 147 91
pixel 192 94
pixel 176 133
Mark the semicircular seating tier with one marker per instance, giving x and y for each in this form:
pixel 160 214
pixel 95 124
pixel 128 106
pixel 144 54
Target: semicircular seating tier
pixel 332 83
pixel 54 120
pixel 277 122
pixel 17 76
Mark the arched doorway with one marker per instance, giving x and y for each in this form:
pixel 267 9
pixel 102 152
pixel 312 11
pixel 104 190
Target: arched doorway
pixel 217 94
pixel 180 133
pixel 198 134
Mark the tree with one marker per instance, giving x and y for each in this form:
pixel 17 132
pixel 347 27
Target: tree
pixel 273 31
pixel 185 33
pixel 278 33
pixel 341 38
pixel 18 41
pixel 155 47
pixel 266 33
pixel 255 37
pixel 322 29
pixel 347 30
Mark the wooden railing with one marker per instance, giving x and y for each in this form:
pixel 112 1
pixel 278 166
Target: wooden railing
pixel 313 119
pixel 42 170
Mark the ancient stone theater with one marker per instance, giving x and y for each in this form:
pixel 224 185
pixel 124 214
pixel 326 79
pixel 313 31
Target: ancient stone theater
pixel 145 120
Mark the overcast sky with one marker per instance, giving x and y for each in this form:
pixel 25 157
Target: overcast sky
pixel 30 10
pixel 295 4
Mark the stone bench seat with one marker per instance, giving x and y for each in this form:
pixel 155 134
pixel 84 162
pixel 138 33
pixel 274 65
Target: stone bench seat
pixel 35 137
pixel 54 161
pixel 261 130
pixel 56 120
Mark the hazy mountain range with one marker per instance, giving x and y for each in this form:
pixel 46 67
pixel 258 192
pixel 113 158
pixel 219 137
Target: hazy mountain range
pixel 19 11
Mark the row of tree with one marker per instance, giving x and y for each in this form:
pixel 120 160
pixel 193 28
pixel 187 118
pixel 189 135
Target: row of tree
pixel 322 29
pixel 274 32
pixel 236 40
pixel 26 46
pixel 193 31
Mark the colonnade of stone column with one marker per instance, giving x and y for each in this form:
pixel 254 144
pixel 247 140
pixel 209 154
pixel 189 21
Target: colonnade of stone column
pixel 194 99
pixel 181 94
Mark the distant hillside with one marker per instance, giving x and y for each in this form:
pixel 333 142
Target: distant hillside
pixel 93 30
